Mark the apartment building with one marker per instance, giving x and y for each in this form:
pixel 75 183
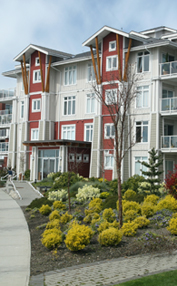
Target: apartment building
pixel 58 124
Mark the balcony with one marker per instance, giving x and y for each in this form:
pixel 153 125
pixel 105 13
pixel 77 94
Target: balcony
pixel 169 105
pixel 169 143
pixel 4 147
pixel 4 133
pixel 6 95
pixel 5 119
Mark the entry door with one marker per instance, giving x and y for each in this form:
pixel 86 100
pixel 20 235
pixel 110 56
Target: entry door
pixel 48 166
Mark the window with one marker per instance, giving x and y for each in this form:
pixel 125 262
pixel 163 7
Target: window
pixel 138 166
pixel 34 134
pixel 111 63
pixel 143 62
pixel 71 157
pixel 36 105
pixel 91 72
pixel 36 76
pixel 79 158
pixel 169 166
pixel 142 99
pixel 22 109
pixel 88 135
pixel 68 132
pixel 108 160
pixel 85 158
pixel 109 131
pixel 69 105
pixel 70 75
pixel 111 96
pixel 167 93
pixel 91 103
pixel 142 131
pixel 112 46
pixel 37 63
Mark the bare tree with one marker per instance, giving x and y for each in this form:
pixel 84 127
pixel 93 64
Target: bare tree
pixel 117 103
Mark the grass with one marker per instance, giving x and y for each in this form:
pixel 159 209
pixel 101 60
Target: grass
pixel 163 279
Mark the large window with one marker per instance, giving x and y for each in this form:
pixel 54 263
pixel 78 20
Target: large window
pixel 109 131
pixel 167 93
pixel 68 132
pixel 142 99
pixel 22 109
pixel 142 131
pixel 69 105
pixel 111 63
pixel 143 61
pixel 36 76
pixel 70 75
pixel 111 96
pixel 169 166
pixel 91 73
pixel 108 160
pixel 138 166
pixel 36 105
pixel 88 134
pixel 34 134
pixel 91 103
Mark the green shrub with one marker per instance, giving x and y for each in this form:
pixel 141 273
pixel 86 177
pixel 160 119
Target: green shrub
pixel 74 188
pixel 109 215
pixel 151 199
pixel 129 195
pixel 27 174
pixel 54 215
pixel 132 183
pixel 110 202
pixel 113 186
pixel 59 205
pixel 173 226
pixel 110 237
pixel 37 203
pixel 55 223
pixel 65 218
pixel 142 221
pixel 87 192
pixel 52 238
pixel 129 228
pixel 60 195
pixel 147 209
pixel 130 215
pixel 62 180
pixel 104 195
pixel 78 237
pixel 45 210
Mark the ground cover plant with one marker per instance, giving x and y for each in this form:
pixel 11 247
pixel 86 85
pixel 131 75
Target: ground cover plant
pixel 90 232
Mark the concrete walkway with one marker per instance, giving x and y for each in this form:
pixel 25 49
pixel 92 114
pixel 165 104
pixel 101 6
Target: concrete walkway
pixel 15 247
pixel 26 192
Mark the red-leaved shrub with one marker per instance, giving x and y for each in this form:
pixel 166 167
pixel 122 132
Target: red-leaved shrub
pixel 171 182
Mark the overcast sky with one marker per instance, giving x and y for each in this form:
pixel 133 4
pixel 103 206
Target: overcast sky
pixel 65 24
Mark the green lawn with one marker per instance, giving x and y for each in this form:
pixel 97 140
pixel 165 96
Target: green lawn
pixel 162 279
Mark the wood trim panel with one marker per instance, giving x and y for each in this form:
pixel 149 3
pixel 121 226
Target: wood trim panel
pixel 48 75
pixel 93 62
pixel 119 59
pixel 126 60
pixel 98 60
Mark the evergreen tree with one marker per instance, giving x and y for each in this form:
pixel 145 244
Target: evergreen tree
pixel 153 172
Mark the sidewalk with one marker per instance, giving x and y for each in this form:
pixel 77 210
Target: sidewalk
pixel 15 247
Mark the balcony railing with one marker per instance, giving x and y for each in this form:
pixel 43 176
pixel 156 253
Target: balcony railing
pixel 169 141
pixel 168 68
pixel 4 147
pixel 7 94
pixel 5 119
pixel 169 104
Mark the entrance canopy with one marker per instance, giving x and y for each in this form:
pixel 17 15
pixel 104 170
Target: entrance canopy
pixel 55 143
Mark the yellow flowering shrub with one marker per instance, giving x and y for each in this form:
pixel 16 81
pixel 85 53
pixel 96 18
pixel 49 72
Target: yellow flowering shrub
pixel 78 237
pixel 130 215
pixel 51 238
pixel 105 225
pixel 101 180
pixel 110 236
pixel 129 228
pixel 59 205
pixel 54 215
pixel 173 226
pixel 55 223
pixel 109 215
pixel 174 215
pixel 151 199
pixel 130 205
pixel 104 195
pixel 45 210
pixel 147 209
pixel 95 206
pixel 129 195
pixel 142 221
pixel 168 202
pixel 65 218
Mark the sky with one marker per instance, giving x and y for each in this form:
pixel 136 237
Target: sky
pixel 65 24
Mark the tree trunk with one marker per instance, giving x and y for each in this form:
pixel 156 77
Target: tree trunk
pixel 119 196
pixel 69 192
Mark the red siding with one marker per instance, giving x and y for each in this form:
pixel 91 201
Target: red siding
pixel 79 127
pixel 34 115
pixel 35 87
pixel 108 175
pixel 33 125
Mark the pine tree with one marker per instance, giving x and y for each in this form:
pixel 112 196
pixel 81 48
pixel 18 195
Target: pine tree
pixel 152 174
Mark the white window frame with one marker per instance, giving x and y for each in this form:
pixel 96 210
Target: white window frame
pixel 22 109
pixel 136 160
pixel 112 128
pixel 91 73
pixel 78 158
pixel 37 63
pixel 69 101
pixel 34 131
pixel 110 157
pixel 110 48
pixel 141 92
pixel 70 75
pixel 71 157
pixel 86 158
pixel 88 127
pixel 68 128
pixel 110 94
pixel 112 60
pixel 38 76
pixel 90 103
pixel 35 102
pixel 143 56
pixel 142 125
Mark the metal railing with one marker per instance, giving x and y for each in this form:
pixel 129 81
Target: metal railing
pixel 168 68
pixel 169 104
pixel 5 119
pixel 169 141
pixel 4 147
pixel 7 93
